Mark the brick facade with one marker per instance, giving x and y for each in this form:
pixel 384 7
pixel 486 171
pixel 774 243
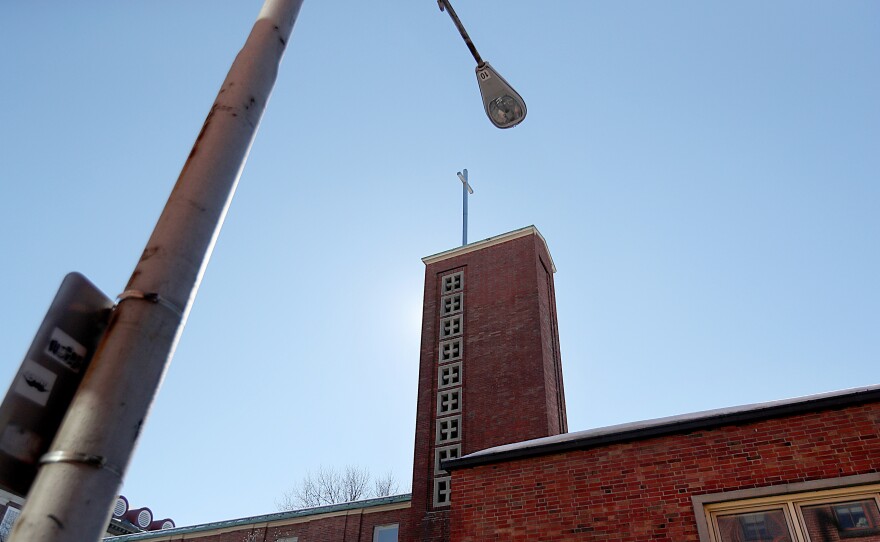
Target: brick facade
pixel 511 372
pixel 499 386
pixel 641 490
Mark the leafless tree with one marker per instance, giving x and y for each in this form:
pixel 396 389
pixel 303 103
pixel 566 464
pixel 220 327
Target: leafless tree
pixel 332 486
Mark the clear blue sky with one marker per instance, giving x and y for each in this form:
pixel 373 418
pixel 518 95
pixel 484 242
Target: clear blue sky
pixel 706 174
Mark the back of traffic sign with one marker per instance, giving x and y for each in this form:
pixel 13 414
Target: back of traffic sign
pixel 48 378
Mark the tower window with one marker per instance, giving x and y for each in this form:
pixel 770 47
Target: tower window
pixel 449 402
pixel 450 350
pixel 449 375
pixel 450 304
pixel 444 453
pixel 450 326
pixel 448 429
pixel 442 491
pixel 451 283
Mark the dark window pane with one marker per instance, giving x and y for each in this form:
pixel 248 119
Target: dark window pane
pixel 768 526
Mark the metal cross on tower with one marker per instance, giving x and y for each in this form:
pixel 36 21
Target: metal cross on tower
pixel 465 190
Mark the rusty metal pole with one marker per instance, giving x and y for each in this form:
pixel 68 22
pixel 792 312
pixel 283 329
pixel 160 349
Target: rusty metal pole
pixel 71 500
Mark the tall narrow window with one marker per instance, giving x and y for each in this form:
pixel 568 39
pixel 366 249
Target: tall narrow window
pixel 451 350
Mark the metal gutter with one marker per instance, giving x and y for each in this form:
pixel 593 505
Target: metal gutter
pixel 672 425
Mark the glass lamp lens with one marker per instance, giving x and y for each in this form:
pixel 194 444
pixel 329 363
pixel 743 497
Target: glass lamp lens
pixel 505 110
pixel 504 106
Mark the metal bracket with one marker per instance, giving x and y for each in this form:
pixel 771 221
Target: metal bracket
pixel 76 457
pixel 152 297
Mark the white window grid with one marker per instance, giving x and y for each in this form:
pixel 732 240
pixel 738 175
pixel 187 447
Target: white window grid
pixel 442 491
pixel 451 283
pixel 442 454
pixel 451 304
pixel 449 375
pixel 451 350
pixel 448 429
pixel 449 402
pixel 451 326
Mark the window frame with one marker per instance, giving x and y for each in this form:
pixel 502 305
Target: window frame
pixel 793 498
pixel 386 527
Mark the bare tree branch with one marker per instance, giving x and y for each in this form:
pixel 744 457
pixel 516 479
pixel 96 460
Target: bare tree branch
pixel 331 486
pixel 384 486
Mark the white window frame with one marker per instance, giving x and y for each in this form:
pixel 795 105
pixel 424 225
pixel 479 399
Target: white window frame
pixel 449 368
pixel 448 491
pixel 451 298
pixel 791 498
pixel 453 357
pixel 438 452
pixel 456 420
pixel 451 278
pixel 451 326
pixel 447 396
pixel 379 528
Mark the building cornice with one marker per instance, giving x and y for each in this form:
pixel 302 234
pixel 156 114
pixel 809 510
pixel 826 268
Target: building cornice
pixel 491 241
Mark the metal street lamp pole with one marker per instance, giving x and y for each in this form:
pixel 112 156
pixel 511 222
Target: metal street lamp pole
pixel 79 479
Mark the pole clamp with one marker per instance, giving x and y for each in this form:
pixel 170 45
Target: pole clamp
pixel 152 297
pixel 96 461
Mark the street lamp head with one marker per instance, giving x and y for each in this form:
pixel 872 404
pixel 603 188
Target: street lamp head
pixel 504 106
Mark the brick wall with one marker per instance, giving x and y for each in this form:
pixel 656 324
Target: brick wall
pixel 641 490
pixel 512 376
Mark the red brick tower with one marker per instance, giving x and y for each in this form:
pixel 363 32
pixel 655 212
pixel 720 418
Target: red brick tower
pixel 490 370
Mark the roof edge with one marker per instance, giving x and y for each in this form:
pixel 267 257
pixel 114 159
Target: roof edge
pixel 488 242
pixel 709 419
pixel 266 519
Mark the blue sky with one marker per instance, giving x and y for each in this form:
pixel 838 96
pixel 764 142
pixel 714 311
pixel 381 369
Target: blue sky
pixel 706 174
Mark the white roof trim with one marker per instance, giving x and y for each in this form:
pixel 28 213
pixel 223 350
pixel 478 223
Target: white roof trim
pixel 491 241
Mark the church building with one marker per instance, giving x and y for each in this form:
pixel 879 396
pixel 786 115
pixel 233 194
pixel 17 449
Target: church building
pixel 494 461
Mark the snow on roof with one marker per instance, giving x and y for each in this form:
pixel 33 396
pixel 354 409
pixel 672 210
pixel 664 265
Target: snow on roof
pixel 664 426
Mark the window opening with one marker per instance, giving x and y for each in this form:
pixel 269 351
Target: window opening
pixel 450 326
pixel 385 533
pixel 450 304
pixel 442 491
pixel 453 282
pixel 449 402
pixel 448 429
pixel 449 375
pixel 450 350
pixel 444 453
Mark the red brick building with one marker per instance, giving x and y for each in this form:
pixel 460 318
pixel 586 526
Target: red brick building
pixel 493 459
